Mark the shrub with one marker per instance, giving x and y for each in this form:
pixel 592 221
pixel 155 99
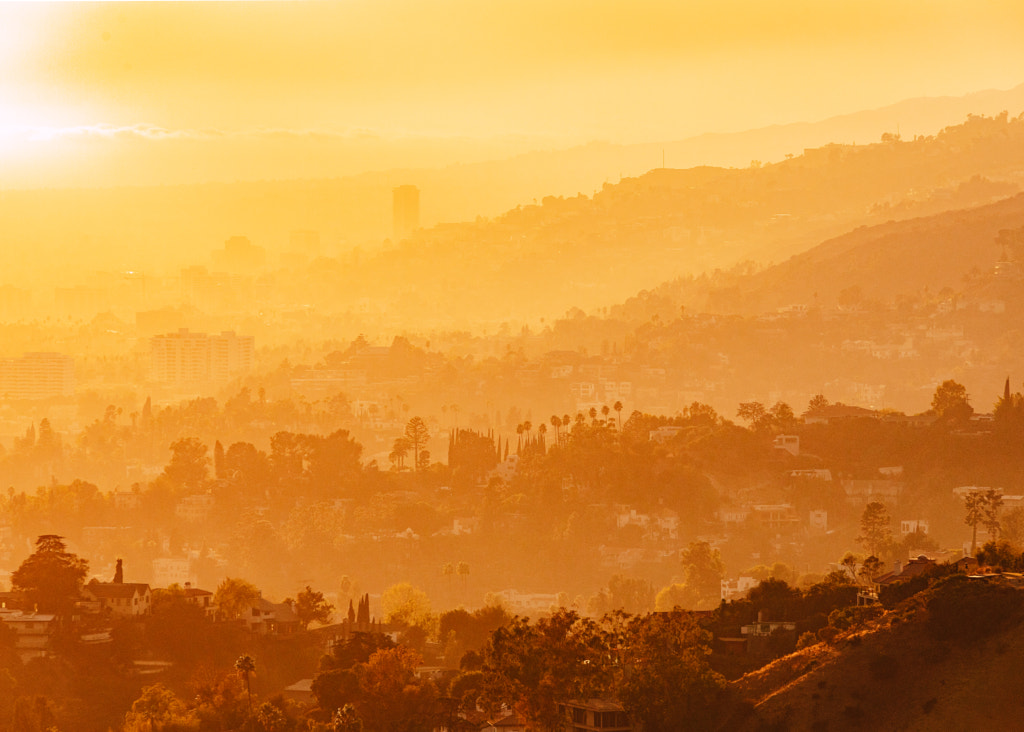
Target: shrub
pixel 964 610
pixel 806 639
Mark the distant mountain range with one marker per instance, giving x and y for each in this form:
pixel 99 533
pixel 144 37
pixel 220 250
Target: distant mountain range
pixel 157 227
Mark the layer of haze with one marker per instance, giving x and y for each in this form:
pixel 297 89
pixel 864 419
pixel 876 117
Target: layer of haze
pixel 270 90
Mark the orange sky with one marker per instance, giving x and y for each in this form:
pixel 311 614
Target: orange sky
pixel 510 75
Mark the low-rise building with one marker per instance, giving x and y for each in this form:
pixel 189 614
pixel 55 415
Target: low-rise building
pixel 32 632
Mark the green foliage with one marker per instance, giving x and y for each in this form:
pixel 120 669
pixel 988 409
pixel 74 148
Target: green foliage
pixel 965 610
pixel 189 465
pixel 406 605
pixel 311 606
pixel 807 638
pixel 234 598
pixel 177 629
pixel 703 572
pixel 390 699
pixel 853 617
pixel 158 707
pixel 51 576
pixel 950 402
pixel 875 532
pixel 536 666
pixel 1001 555
pixel 667 683
pixel 892 594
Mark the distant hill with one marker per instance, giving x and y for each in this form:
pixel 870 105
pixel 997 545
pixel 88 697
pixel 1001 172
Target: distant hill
pixel 539 260
pixel 158 227
pixel 883 262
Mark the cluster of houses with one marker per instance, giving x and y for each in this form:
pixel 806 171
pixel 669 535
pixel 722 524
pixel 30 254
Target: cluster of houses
pixel 33 631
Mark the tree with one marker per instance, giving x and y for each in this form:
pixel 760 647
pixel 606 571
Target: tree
pixel 875 533
pixel 310 606
pixel 417 434
pixel 51 576
pixel 871 568
pixel 346 719
pixel 234 598
pixel 189 463
pixel 1013 527
pixel 391 698
pixel 950 401
pixel 246 666
pixel 618 413
pixel 755 413
pixel 156 706
pixel 818 403
pixel 703 571
pixel 667 683
pixel 982 507
pixel 993 504
pixel 404 604
pixel 673 596
pixel 974 514
pixel 536 666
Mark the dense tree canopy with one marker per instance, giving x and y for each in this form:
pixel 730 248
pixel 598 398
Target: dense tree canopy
pixel 51 577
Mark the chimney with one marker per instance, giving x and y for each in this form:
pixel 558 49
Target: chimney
pixel 760 616
pixel 188 585
pixel 897 566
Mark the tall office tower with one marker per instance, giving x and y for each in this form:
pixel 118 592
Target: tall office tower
pixel 405 211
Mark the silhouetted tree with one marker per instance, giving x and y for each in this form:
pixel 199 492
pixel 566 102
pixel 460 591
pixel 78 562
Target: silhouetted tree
pixel 874 527
pixel 51 577
pixel 417 434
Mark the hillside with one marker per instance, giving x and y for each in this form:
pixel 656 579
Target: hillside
pixel 583 251
pixel 911 670
pixel 537 261
pixel 884 262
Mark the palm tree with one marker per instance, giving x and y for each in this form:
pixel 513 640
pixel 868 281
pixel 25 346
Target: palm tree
pixel 556 422
pixel 604 412
pixel 247 665
pixel 449 570
pixel 618 412
pixel 463 570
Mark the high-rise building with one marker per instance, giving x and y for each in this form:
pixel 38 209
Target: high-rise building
pixel 405 210
pixel 37 376
pixel 240 255
pixel 195 358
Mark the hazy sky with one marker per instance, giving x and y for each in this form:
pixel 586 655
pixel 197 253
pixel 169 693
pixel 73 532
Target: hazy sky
pixel 511 75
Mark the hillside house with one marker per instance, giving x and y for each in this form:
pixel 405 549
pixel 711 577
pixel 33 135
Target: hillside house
pixel 202 599
pixel 602 715
pixel 663 434
pixel 899 573
pixel 271 618
pixel 125 599
pixel 789 443
pixel 32 632
pixel 734 589
pixel 862 492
